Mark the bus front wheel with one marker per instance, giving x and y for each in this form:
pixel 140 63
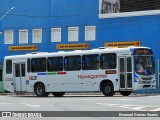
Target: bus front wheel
pixel 125 93
pixel 107 89
pixel 39 90
pixel 58 94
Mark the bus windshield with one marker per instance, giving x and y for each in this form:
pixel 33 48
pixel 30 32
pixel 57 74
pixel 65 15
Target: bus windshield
pixel 144 64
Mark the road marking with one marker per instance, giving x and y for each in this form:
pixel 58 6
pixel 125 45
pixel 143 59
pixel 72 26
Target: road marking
pixel 134 107
pixel 30 105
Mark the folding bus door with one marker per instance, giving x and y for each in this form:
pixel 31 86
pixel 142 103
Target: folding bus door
pixel 125 73
pixel 19 77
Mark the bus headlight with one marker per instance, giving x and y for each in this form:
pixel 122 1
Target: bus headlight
pixel 138 80
pixel 154 81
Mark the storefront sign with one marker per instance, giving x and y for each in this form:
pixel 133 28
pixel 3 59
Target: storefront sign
pixel 122 44
pixel 20 48
pixel 71 46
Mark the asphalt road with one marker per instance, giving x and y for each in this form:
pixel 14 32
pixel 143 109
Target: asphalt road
pixel 133 104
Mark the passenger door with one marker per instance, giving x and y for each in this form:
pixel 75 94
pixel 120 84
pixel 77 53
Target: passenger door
pixel 19 77
pixel 125 73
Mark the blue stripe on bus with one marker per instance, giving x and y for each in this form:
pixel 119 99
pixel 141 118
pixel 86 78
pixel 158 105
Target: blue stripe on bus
pixel 42 73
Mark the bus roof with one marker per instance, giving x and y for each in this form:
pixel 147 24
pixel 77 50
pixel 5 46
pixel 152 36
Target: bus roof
pixel 75 52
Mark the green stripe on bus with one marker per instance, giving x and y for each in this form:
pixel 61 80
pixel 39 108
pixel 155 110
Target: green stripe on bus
pixel 51 73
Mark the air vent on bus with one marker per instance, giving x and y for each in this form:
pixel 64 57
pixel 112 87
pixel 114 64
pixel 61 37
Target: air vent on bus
pixel 77 50
pixel 37 52
pixel 60 51
pixel 102 48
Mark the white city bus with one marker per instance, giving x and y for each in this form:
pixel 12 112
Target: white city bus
pixel 106 70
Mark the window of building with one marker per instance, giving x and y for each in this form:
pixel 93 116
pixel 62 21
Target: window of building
pixel 72 63
pixel 90 33
pixel 55 64
pixel 9 37
pixel 90 62
pixel 23 36
pixel 9 66
pixel 38 65
pixel 37 36
pixel 56 35
pixel 108 61
pixel 73 34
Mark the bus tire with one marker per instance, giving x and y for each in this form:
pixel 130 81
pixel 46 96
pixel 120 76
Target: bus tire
pixel 58 94
pixel 107 89
pixel 125 93
pixel 39 90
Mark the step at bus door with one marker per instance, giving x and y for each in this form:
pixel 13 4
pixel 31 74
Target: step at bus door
pixel 125 74
pixel 19 77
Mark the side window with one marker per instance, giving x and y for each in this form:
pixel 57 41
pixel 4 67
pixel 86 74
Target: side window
pixel 90 62
pixel 28 65
pixel 17 70
pixel 129 64
pixel 38 65
pixel 9 66
pixel 23 70
pixel 55 64
pixel 108 61
pixel 72 63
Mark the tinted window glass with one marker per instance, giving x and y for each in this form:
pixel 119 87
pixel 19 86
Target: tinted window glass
pixel 108 61
pixel 17 70
pixel 0 74
pixel 23 70
pixel 90 62
pixel 38 65
pixel 9 66
pixel 55 64
pixel 72 63
pixel 28 65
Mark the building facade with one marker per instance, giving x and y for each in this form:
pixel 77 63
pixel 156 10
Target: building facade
pixel 53 25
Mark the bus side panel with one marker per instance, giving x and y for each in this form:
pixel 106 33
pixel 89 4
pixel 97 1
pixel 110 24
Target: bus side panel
pixel 91 80
pixel 33 78
pixel 66 81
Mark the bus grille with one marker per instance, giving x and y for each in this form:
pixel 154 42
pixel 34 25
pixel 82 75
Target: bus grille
pixel 148 78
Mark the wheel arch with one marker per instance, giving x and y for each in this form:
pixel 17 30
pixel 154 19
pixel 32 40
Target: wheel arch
pixel 39 83
pixel 105 82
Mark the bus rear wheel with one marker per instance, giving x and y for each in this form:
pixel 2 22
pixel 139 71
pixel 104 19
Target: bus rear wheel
pixel 58 94
pixel 107 89
pixel 39 90
pixel 125 93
